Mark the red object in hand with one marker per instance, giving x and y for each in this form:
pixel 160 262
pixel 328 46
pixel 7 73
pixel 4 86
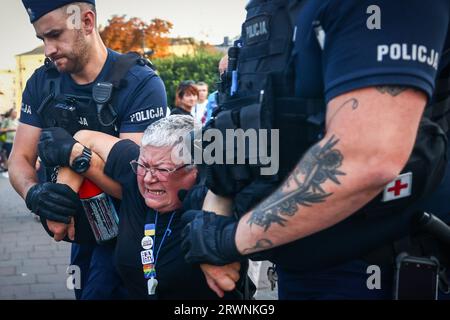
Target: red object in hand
pixel 100 211
pixel 88 190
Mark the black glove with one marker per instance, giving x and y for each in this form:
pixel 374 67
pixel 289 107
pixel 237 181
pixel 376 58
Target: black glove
pixel 193 198
pixel 209 238
pixel 53 201
pixel 55 146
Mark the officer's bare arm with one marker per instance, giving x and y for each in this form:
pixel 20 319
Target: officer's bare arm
pixel 22 161
pixel 370 134
pixel 133 136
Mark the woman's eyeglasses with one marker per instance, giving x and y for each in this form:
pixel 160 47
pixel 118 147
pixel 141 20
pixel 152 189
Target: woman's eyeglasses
pixel 163 173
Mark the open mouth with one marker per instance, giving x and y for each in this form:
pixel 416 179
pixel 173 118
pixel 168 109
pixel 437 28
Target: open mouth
pixel 155 192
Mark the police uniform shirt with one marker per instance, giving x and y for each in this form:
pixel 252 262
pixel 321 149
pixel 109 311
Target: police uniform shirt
pixel 176 278
pixel 139 103
pixel 342 46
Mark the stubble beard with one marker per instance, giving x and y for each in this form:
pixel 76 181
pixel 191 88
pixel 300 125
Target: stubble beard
pixel 78 58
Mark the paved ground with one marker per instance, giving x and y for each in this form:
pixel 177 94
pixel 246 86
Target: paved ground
pixel 33 266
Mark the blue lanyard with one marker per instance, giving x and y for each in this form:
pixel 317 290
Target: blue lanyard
pixel 168 231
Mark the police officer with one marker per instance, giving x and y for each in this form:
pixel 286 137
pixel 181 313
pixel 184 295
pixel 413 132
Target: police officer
pixel 375 69
pixel 83 85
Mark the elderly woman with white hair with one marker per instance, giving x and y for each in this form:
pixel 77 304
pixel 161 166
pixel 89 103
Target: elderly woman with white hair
pixel 148 180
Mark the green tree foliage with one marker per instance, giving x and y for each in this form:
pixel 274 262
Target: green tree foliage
pixel 203 66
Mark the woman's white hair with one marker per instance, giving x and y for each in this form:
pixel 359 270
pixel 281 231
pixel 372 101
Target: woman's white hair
pixel 170 132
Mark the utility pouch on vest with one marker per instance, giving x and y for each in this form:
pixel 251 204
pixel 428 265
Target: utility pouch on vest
pixel 301 124
pixel 298 122
pixel 242 122
pixel 63 113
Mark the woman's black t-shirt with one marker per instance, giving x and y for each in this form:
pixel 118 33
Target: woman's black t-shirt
pixel 176 278
pixel 181 111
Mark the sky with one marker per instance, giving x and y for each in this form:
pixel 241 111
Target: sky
pixel 207 20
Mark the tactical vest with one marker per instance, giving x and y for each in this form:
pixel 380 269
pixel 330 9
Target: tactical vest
pixel 97 111
pixel 261 76
pixel 258 92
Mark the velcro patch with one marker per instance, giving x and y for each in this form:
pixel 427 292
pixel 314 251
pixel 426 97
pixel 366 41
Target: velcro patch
pixel 256 29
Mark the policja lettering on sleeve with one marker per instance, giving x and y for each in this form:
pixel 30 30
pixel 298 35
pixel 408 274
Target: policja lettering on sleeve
pixel 408 52
pixel 148 114
pixel 26 108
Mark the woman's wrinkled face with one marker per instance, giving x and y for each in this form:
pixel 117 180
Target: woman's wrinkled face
pixel 161 192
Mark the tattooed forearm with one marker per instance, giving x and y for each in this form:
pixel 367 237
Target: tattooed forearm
pixel 319 165
pixel 262 244
pixel 392 90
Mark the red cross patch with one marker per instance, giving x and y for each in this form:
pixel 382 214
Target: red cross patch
pixel 399 188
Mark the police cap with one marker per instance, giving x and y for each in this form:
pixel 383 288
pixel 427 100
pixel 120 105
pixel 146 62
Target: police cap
pixel 38 8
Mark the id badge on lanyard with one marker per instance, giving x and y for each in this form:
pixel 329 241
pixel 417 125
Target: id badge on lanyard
pixel 149 256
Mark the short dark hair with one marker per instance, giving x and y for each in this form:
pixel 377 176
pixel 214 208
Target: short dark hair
pixel 184 87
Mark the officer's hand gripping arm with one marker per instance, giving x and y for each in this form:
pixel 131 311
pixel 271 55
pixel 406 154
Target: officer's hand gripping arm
pixel 60 230
pixel 55 147
pixel 74 181
pixel 219 278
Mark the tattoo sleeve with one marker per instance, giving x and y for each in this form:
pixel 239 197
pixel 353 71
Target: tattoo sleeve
pixel 319 165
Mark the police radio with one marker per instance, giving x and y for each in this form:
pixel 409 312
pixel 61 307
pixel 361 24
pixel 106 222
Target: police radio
pixel 101 94
pixel 228 84
pixel 233 55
